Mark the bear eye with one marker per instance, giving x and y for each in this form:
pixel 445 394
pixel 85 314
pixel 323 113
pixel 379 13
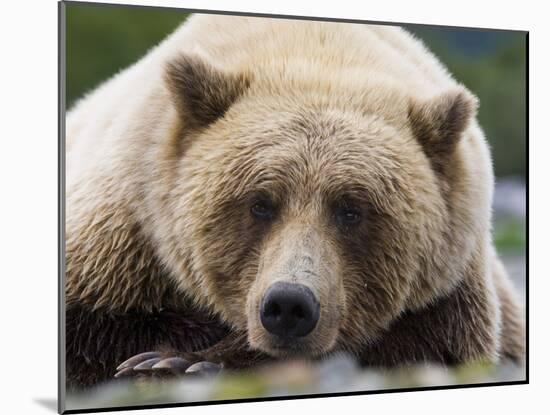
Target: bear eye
pixel 263 210
pixel 347 215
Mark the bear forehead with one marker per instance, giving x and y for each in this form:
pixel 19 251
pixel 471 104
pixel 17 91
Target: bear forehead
pixel 310 150
pixel 332 133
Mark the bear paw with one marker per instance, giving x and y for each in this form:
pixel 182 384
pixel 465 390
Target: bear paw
pixel 159 365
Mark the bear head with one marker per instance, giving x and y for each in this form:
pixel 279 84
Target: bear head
pixel 311 213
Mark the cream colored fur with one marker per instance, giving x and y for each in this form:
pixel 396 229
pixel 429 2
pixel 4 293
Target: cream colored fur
pixel 121 165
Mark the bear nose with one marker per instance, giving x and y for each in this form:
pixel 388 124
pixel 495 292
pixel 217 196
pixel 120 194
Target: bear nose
pixel 289 310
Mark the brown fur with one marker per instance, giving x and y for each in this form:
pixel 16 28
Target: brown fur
pixel 314 117
pixel 201 93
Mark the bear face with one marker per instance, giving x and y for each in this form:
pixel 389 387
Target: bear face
pixel 316 219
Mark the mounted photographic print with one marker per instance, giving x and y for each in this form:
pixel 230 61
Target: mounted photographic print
pixel 276 207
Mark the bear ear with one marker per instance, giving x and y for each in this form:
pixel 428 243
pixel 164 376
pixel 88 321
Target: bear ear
pixel 202 93
pixel 438 123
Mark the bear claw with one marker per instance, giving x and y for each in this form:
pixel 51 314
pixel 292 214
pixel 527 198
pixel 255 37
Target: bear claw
pixel 137 359
pixel 154 364
pixel 147 364
pixel 129 371
pixel 203 368
pixel 174 364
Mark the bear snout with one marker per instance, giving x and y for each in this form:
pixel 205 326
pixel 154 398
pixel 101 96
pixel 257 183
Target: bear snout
pixel 289 310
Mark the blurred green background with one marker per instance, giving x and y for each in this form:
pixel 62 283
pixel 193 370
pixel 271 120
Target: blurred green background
pixel 102 40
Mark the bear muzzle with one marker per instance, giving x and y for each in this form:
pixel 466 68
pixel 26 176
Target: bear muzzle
pixel 293 306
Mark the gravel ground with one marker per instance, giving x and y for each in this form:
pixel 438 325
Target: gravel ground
pixel 338 374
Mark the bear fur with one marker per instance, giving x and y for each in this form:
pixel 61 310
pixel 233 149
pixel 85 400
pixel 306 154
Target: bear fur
pixel 164 160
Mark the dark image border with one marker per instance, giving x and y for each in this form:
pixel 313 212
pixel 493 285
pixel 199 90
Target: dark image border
pixel 61 214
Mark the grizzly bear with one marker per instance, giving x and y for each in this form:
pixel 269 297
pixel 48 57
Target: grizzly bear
pixel 259 189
